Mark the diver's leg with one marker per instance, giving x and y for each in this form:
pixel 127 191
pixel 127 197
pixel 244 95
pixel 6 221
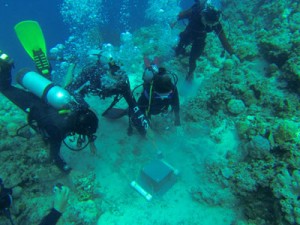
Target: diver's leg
pixel 55 145
pixel 196 51
pixel 184 41
pixel 23 99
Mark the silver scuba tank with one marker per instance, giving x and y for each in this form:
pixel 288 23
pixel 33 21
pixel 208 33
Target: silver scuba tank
pixel 52 94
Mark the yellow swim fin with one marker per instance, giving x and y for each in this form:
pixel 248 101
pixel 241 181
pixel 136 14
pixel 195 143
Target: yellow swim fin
pixel 32 39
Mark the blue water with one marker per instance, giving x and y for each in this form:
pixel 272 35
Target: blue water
pixel 45 12
pixel 115 26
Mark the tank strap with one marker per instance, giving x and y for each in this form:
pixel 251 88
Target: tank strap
pixel 44 96
pixel 149 99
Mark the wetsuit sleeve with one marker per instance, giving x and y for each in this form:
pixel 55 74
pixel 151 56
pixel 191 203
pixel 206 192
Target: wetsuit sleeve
pixel 79 87
pixel 52 217
pixel 81 79
pixel 143 102
pixel 136 115
pixel 176 108
pixel 221 34
pixel 127 94
pixel 123 89
pixel 55 141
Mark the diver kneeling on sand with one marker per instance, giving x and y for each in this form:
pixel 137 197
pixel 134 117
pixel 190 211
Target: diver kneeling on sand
pixel 104 77
pixel 159 92
pixel 51 110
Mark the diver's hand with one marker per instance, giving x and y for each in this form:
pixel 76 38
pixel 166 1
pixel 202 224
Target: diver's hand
pixel 61 198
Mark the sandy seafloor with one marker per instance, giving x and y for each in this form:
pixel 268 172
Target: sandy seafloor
pixel 120 158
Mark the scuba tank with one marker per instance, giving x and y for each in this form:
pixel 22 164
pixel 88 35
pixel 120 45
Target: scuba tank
pixel 52 94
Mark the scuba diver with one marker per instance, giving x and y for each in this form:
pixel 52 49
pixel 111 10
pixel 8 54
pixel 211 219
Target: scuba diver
pixel 51 111
pixel 103 77
pixel 159 92
pixel 95 78
pixel 203 18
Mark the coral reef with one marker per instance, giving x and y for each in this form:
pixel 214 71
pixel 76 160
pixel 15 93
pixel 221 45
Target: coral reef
pixel 236 106
pixel 25 165
pixel 85 186
pixel 257 96
pixel 263 103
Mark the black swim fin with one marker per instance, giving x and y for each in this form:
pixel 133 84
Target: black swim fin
pixel 115 113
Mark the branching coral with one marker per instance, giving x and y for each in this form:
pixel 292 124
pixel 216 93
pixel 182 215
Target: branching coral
pixel 286 187
pixel 85 185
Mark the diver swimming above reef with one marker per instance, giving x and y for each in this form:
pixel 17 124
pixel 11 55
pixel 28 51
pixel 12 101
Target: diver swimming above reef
pixel 51 111
pixel 203 18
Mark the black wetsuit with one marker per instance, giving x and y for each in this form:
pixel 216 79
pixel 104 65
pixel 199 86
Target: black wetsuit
pixel 195 33
pixel 51 218
pixel 159 105
pixel 42 117
pixel 90 81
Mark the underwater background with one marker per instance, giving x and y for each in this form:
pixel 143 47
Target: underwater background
pixel 237 156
